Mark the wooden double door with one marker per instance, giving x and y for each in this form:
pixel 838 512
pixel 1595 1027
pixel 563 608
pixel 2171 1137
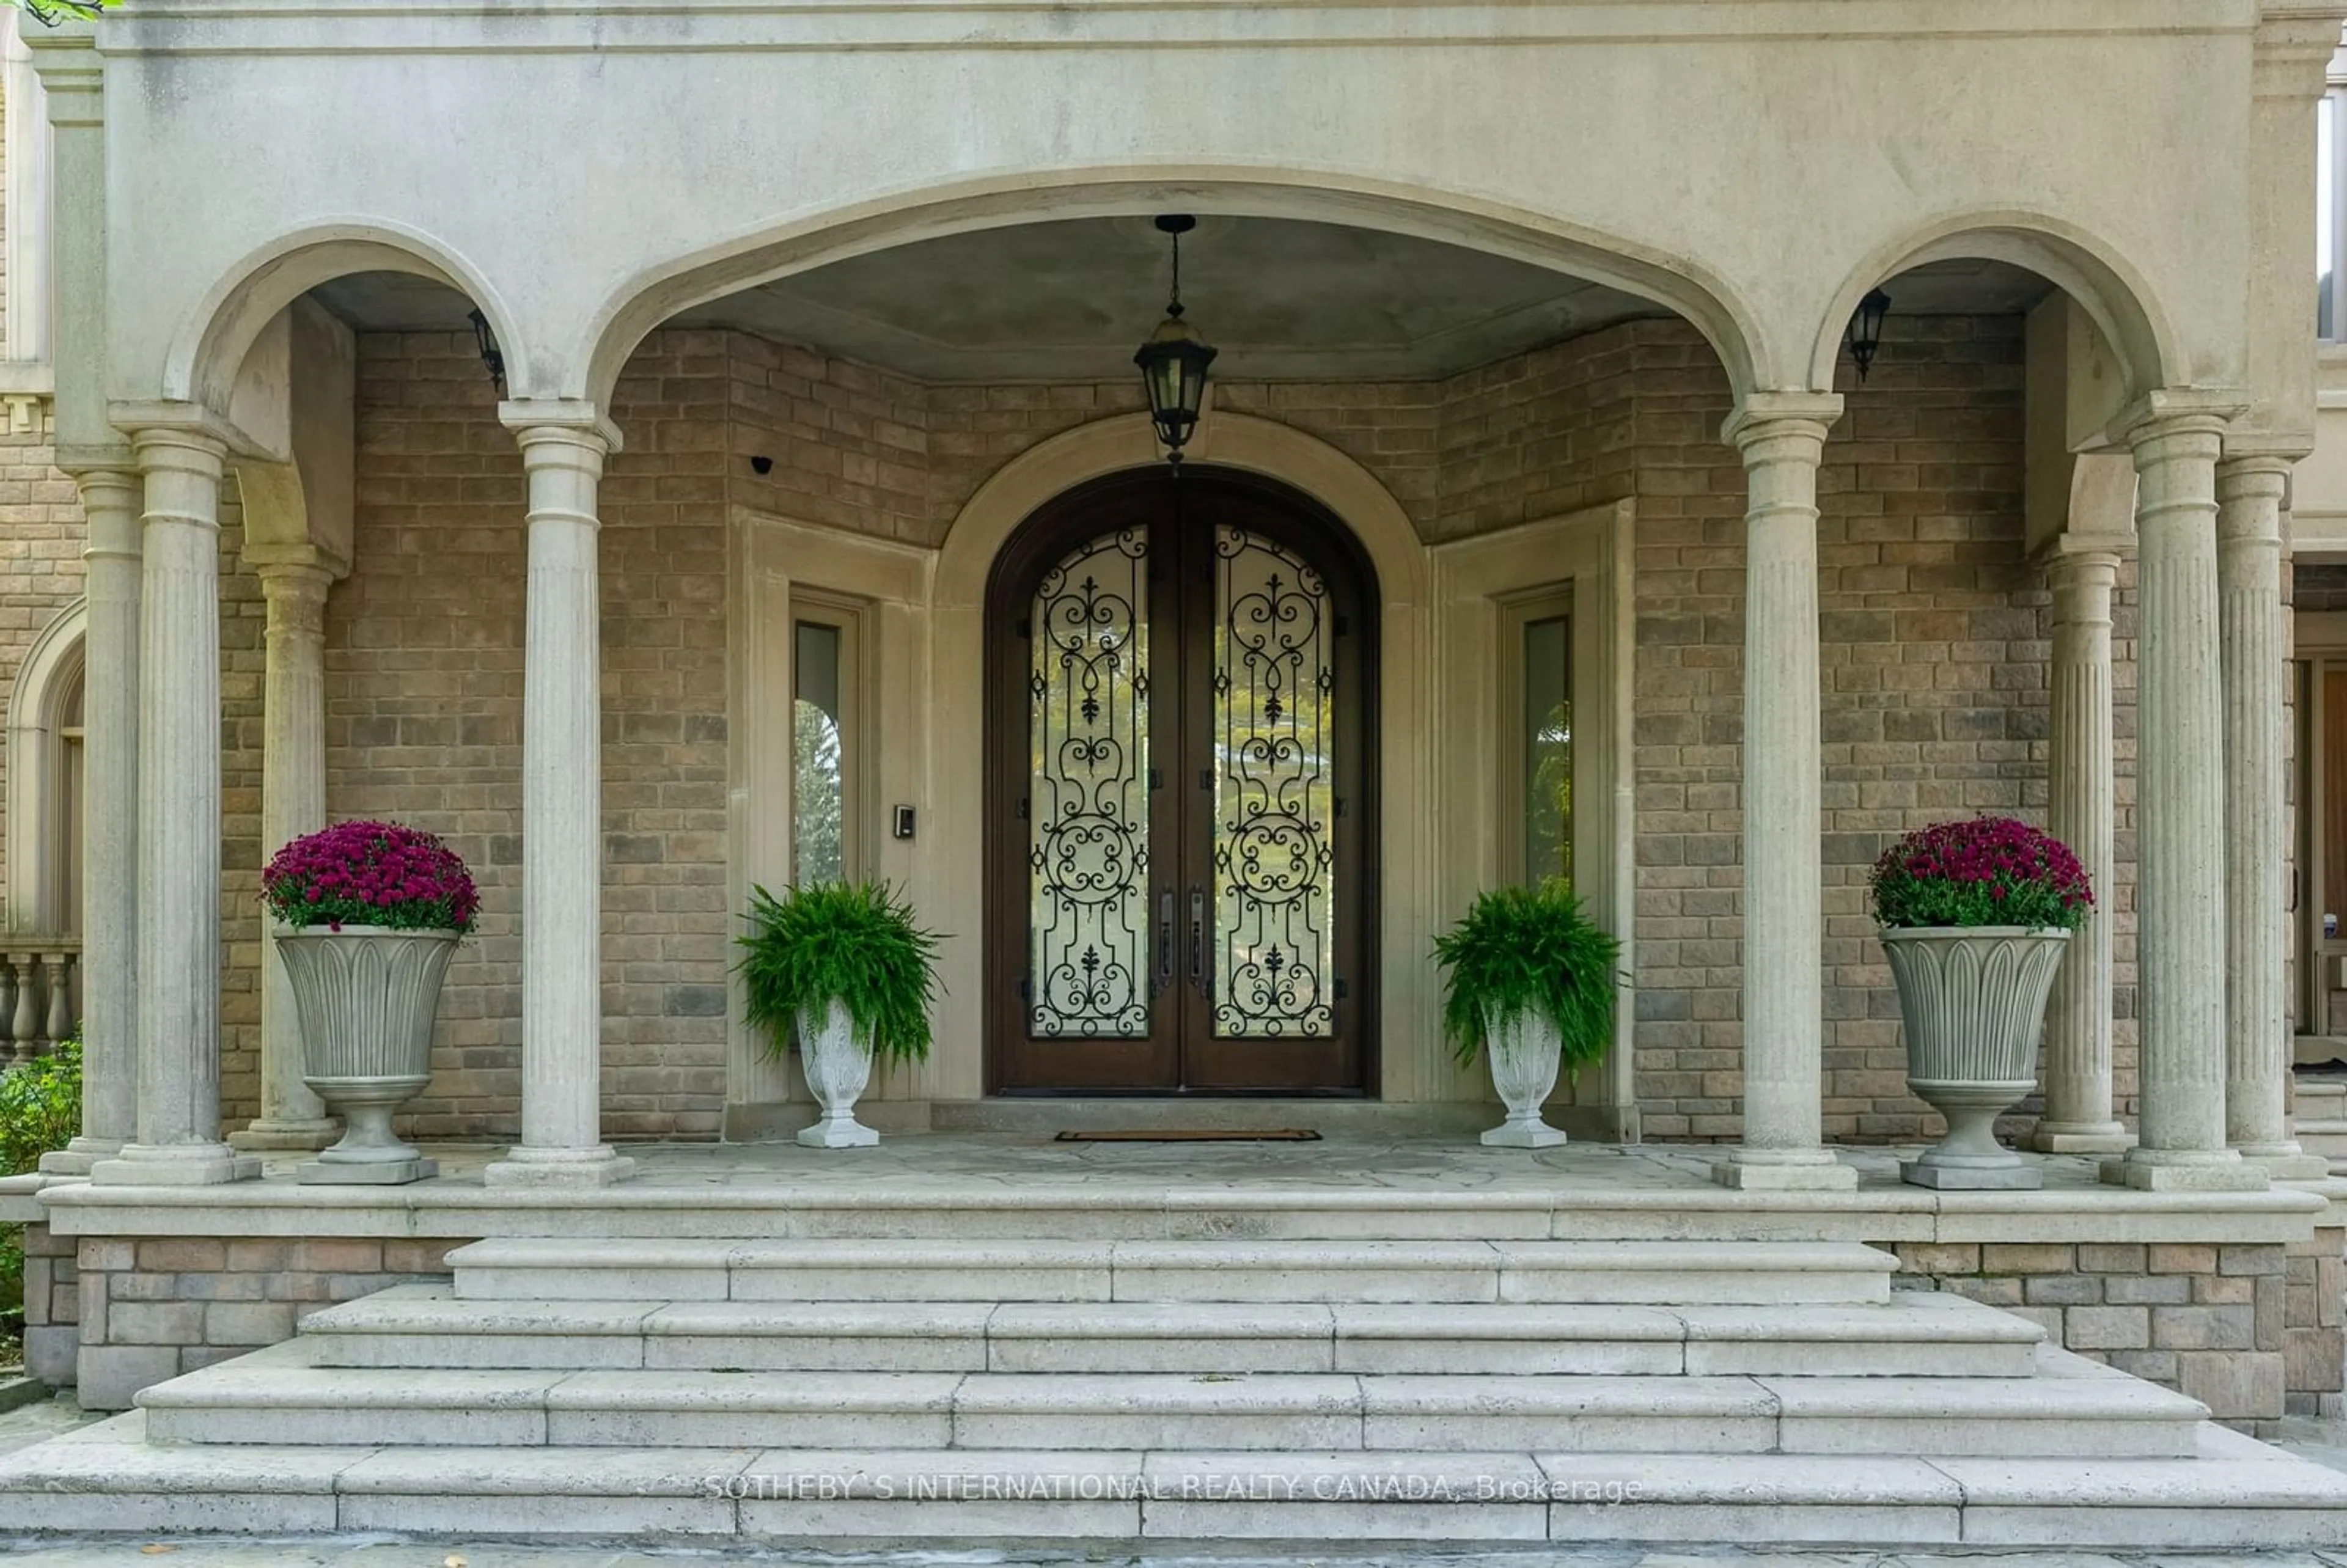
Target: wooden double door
pixel 1180 794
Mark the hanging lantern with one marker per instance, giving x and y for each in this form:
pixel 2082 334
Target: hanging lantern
pixel 1174 360
pixel 1866 330
pixel 492 358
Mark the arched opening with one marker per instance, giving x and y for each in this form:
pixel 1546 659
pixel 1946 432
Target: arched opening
pixel 44 817
pixel 1181 806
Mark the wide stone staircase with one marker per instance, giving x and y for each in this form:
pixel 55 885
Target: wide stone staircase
pixel 1086 1386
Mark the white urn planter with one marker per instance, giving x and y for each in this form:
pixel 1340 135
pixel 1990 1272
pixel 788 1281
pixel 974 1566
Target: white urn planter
pixel 838 1059
pixel 366 996
pixel 1973 1001
pixel 1525 1051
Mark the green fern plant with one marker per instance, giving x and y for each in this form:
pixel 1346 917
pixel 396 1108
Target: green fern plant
pixel 1531 948
pixel 853 940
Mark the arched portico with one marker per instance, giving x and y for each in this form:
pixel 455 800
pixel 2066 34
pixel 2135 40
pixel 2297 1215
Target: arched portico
pixel 2113 292
pixel 1680 284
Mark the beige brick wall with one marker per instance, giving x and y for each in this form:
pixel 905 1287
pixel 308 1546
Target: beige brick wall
pixel 1934 639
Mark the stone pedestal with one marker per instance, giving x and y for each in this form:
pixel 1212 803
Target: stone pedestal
pixel 1782 437
pixel 2181 940
pixel 2077 1118
pixel 179 912
pixel 563 448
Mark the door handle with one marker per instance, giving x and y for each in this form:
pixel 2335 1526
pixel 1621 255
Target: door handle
pixel 1164 940
pixel 1198 941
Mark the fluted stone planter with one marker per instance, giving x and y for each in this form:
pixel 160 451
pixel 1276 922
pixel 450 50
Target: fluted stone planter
pixel 1974 1000
pixel 366 996
pixel 837 1059
pixel 1523 1049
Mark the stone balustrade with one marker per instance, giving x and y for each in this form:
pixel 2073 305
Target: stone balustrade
pixel 40 993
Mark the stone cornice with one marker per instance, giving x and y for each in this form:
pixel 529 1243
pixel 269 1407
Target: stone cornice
pixel 676 26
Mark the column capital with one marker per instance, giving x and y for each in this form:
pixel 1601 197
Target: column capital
pixel 289 564
pixel 79 460
pixel 2245 463
pixel 72 71
pixel 161 427
pixel 551 421
pixel 2170 411
pixel 2067 549
pixel 1761 415
pixel 294 592
pixel 2292 51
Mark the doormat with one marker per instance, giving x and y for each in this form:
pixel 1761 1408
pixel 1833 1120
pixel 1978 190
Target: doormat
pixel 1191 1135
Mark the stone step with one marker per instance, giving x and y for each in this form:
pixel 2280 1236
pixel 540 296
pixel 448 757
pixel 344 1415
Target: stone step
pixel 2229 1493
pixel 1915 1333
pixel 1668 1273
pixel 2069 1406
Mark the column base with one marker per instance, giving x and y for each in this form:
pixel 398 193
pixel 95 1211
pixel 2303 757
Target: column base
pixel 1784 1171
pixel 2184 1170
pixel 2080 1138
pixel 365 1173
pixel 175 1165
pixel 266 1136
pixel 527 1167
pixel 2285 1162
pixel 77 1157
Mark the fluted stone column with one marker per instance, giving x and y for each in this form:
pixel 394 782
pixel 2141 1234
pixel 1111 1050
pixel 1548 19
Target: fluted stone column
pixel 1782 435
pixel 179 912
pixel 292 803
pixel 2258 1024
pixel 2180 793
pixel 2077 1118
pixel 111 494
pixel 563 446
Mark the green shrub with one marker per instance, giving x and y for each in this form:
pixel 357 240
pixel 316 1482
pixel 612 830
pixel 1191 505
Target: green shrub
pixel 850 940
pixel 40 1109
pixel 1531 948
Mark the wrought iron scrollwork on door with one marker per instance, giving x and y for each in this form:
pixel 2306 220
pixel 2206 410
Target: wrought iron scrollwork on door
pixel 1088 846
pixel 1274 785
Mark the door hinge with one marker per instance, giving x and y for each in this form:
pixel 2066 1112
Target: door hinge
pixel 1343 990
pixel 1026 628
pixel 1022 808
pixel 1205 778
pixel 1340 806
pixel 1344 625
pixel 1024 994
pixel 1156 778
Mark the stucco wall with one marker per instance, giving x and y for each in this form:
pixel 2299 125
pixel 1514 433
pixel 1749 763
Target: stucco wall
pixel 1934 647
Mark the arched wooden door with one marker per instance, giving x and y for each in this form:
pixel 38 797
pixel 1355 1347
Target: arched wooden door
pixel 1181 794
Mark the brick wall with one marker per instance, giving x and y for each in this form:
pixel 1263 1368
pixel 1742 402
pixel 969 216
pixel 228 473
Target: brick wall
pixel 2239 1328
pixel 1934 637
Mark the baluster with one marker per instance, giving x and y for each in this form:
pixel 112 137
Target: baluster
pixel 26 1026
pixel 7 1008
pixel 60 1021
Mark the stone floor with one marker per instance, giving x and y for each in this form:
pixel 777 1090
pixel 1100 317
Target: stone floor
pixel 1026 1161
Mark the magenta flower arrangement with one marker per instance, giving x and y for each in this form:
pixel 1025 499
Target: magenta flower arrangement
pixel 1988 871
pixel 370 874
